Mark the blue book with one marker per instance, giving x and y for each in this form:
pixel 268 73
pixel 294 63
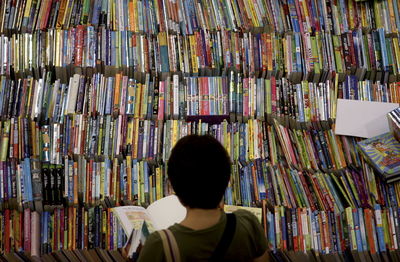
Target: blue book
pixel 299 59
pixel 293 16
pixel 381 32
pixel 260 180
pixel 135 184
pixel 146 177
pixel 362 229
pixel 271 230
pixel 96 12
pixel 357 230
pixel 284 225
pixel 379 228
pixel 396 13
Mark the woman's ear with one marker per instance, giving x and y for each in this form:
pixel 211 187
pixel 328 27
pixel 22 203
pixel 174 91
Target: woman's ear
pixel 221 205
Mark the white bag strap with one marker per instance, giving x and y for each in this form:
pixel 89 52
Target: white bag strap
pixel 170 246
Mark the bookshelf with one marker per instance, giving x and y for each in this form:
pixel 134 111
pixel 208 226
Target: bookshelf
pixel 94 94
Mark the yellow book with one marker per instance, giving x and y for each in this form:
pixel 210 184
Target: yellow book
pixel 102 179
pixel 138 101
pixel 129 176
pixel 250 139
pixel 115 189
pixel 255 17
pixel 350 223
pixel 378 15
pixel 135 138
pixel 114 15
pixel 158 183
pixel 193 48
pixel 129 134
pixel 135 23
pixel 5 139
pixel 392 16
pixel 396 52
pixel 27 8
pixel 175 131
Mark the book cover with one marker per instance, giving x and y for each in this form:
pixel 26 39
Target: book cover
pixel 383 152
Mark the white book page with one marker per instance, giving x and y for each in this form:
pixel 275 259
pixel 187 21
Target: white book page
pixel 131 218
pixel 166 212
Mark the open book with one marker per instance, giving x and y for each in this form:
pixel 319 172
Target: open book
pixel 139 222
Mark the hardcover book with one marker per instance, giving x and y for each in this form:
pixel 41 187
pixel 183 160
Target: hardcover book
pixel 383 152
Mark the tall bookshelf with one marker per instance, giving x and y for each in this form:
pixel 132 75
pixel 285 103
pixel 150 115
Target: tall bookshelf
pixel 94 94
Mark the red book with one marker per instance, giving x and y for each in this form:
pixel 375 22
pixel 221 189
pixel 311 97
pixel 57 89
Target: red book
pixel 351 49
pixel 55 229
pixel 300 231
pixel 43 24
pixel 90 174
pixel 206 96
pixel 79 45
pixel 7 236
pixel 27 229
pixel 62 228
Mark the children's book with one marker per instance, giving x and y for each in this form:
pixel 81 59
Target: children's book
pixel 139 222
pixel 394 122
pixel 383 152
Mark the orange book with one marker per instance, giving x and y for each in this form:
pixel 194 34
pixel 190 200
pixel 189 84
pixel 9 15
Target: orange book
pixel 369 230
pixel 255 183
pixel 75 199
pixel 61 14
pixel 129 177
pixel 117 91
pixel 132 13
pixel 341 152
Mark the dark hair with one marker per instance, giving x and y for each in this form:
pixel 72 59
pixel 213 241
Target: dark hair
pixel 199 170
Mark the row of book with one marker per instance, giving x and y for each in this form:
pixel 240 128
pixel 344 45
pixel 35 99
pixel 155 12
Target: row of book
pixel 280 185
pixel 230 97
pixel 185 17
pixel 73 166
pixel 368 55
pixel 369 231
pixel 151 140
pixel 362 231
pixel 62 229
pixel 367 90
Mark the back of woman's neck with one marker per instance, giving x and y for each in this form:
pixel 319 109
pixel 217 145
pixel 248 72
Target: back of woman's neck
pixel 198 219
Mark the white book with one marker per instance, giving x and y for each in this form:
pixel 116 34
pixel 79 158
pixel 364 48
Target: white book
pixel 72 94
pixel 159 215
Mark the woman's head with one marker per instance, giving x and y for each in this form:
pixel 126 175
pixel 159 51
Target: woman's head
pixel 199 170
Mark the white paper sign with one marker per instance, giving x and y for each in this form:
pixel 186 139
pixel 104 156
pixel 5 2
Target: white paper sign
pixel 362 118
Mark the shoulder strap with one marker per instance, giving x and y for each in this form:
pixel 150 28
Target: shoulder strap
pixel 170 246
pixel 226 238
